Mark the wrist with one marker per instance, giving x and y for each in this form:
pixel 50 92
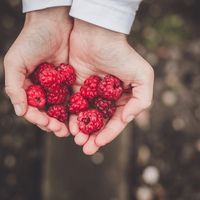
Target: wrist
pixel 97 32
pixel 48 15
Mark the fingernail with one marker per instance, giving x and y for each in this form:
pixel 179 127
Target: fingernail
pixel 18 109
pixel 129 118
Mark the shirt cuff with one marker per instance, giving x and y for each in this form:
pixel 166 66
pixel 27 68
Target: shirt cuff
pixel 30 5
pixel 111 14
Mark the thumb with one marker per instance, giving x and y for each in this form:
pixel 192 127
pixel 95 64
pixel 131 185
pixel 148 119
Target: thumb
pixel 141 100
pixel 14 84
pixel 142 88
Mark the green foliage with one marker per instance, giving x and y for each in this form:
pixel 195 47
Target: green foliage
pixel 166 30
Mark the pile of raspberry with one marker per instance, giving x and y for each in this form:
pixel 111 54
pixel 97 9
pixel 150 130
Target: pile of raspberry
pixel 93 104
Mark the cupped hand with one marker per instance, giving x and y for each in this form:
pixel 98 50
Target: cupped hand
pixel 44 38
pixel 95 50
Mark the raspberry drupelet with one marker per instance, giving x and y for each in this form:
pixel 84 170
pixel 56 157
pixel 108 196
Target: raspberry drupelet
pixel 36 96
pixel 77 103
pixel 110 88
pixel 89 87
pixel 67 73
pixel 90 121
pixel 57 94
pixel 59 112
pixel 106 107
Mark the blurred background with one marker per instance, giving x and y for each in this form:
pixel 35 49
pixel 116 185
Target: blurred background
pixel 156 158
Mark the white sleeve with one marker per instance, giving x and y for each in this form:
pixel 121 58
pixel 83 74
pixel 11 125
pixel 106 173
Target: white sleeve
pixel 116 15
pixel 30 5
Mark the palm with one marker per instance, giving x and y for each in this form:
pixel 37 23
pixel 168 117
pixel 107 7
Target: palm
pixel 47 45
pixel 110 57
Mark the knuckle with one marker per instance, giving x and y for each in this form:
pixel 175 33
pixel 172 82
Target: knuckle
pixel 9 91
pixel 7 59
pixel 146 104
pixel 146 73
pixel 149 71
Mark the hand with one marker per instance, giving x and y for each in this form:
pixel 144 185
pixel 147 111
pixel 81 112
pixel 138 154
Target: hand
pixel 94 50
pixel 44 38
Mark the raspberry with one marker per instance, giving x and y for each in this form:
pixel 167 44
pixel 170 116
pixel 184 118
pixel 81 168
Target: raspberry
pixel 106 107
pixel 36 96
pixel 77 103
pixel 35 75
pixel 89 88
pixel 48 76
pixel 59 112
pixel 90 121
pixel 57 94
pixel 110 88
pixel 68 73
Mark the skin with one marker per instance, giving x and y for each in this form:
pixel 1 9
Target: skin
pixel 95 50
pixel 44 38
pixel 47 36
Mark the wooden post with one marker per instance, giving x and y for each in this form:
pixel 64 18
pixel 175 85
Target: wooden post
pixel 71 175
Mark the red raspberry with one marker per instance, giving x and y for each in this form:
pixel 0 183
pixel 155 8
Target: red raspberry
pixel 77 103
pixel 35 75
pixel 110 88
pixel 106 107
pixel 57 94
pixel 89 88
pixel 68 73
pixel 49 76
pixel 59 112
pixel 36 96
pixel 90 121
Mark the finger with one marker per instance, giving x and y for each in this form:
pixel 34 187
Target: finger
pixel 73 126
pixel 140 100
pixel 90 146
pixel 35 116
pixel 63 132
pixel 81 138
pixel 54 125
pixel 14 82
pixel 44 128
pixel 111 130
